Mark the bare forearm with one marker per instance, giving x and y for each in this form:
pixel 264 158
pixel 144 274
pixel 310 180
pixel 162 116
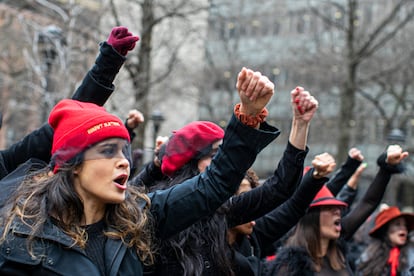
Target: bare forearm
pixel 299 134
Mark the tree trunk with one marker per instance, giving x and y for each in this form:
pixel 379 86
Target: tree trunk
pixel 348 92
pixel 142 78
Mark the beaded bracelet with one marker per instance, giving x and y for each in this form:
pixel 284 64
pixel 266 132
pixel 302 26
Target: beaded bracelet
pixel 249 120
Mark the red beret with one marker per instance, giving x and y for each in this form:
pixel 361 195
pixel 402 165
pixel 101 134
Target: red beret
pixel 187 142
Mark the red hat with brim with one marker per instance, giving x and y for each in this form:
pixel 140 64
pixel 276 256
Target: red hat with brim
pixel 385 216
pixel 325 198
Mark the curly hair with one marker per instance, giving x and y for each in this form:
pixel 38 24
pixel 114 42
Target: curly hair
pixel 41 197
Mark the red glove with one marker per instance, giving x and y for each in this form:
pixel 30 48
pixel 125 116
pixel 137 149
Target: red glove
pixel 122 40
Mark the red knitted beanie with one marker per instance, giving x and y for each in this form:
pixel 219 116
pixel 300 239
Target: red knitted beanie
pixel 187 142
pixel 78 125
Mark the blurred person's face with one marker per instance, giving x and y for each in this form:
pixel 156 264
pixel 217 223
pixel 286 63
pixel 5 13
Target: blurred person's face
pixel 397 232
pixel 330 222
pixel 102 176
pixel 206 161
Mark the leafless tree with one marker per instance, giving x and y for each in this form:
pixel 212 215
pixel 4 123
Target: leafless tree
pixel 363 40
pixel 165 27
pixel 46 55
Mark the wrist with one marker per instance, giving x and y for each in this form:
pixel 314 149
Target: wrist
pixel 300 123
pixel 252 120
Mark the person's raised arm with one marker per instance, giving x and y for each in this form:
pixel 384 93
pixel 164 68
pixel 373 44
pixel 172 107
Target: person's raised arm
pixel 183 204
pixel 349 192
pixel 304 106
pixel 288 173
pixel 97 85
pixel 340 178
pixel 389 163
pixel 278 222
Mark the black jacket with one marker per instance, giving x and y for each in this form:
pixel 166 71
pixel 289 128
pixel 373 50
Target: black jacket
pixel 341 176
pixel 173 210
pixel 250 251
pixel 96 88
pixel 337 182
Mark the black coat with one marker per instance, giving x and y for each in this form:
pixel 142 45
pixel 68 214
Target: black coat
pixel 173 210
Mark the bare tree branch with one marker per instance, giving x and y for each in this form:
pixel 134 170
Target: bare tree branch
pixel 370 46
pixel 115 13
pixel 55 8
pixel 327 19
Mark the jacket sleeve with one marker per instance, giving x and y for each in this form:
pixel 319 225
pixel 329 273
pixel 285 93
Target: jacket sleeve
pixel 37 144
pixel 178 207
pixel 11 181
pixel 273 192
pixel 96 88
pixel 340 178
pixel 278 222
pixel 371 199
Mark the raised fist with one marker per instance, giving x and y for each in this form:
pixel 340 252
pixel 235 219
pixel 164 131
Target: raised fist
pixel 135 118
pixel 324 164
pixel 304 105
pixel 255 91
pixel 395 154
pixel 122 40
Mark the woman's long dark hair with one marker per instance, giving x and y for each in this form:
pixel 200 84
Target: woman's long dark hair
pixel 307 235
pixel 207 236
pixel 374 259
pixel 40 197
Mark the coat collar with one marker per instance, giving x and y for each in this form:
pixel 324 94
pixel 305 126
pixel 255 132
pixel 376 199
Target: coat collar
pixel 50 232
pixel 115 249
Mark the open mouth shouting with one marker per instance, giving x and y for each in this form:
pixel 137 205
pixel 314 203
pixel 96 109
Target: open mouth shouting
pixel 121 181
pixel 337 224
pixel 402 235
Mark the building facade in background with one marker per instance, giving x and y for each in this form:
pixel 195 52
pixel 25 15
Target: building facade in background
pixel 304 43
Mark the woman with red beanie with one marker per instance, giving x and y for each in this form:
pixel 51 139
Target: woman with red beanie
pixel 82 217
pixel 202 248
pixel 386 253
pixel 318 243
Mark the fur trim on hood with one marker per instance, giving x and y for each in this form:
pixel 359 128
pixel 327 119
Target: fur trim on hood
pixel 292 261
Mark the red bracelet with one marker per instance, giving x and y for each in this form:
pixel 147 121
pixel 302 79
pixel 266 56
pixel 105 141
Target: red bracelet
pixel 249 120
